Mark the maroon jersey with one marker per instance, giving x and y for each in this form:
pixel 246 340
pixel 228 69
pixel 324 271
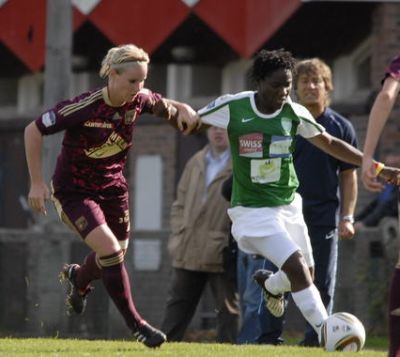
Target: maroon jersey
pixel 393 69
pixel 96 140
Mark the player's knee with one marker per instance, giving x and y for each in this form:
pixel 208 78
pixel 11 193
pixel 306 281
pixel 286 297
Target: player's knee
pixel 112 259
pixel 297 270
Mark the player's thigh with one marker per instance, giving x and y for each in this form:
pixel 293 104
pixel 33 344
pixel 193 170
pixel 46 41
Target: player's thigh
pixel 297 229
pixel 85 217
pixel 261 231
pixel 80 213
pixel 116 212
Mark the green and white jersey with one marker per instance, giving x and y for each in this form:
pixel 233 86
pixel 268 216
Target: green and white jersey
pixel 261 146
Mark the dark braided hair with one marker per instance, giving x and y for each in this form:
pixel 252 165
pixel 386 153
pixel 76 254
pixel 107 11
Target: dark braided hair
pixel 267 62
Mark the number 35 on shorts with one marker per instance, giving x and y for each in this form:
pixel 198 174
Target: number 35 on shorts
pixel 125 218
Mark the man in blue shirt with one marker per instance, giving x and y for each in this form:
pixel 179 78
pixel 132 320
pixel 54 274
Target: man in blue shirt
pixel 321 178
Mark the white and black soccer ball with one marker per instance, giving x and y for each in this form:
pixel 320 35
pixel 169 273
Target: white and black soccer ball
pixel 342 332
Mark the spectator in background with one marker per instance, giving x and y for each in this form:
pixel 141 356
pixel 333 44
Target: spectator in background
pixel 379 114
pixel 200 232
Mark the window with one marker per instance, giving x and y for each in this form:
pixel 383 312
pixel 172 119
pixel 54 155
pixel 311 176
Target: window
pixel 352 74
pixel 8 92
pixel 148 193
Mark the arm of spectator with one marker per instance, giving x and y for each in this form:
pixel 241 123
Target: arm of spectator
pixel 348 199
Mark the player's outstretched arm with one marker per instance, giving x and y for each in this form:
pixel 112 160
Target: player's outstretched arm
pixel 337 148
pixel 390 175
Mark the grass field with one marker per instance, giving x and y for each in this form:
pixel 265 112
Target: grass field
pixel 35 347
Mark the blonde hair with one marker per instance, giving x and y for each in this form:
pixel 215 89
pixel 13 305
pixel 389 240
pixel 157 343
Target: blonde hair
pixel 315 66
pixel 121 56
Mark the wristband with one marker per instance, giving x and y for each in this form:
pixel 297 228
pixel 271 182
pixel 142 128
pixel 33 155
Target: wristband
pixel 349 218
pixel 378 167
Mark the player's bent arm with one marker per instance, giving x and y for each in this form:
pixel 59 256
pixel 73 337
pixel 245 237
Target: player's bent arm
pixel 379 113
pixel 180 115
pixel 348 199
pixel 185 117
pixel 348 192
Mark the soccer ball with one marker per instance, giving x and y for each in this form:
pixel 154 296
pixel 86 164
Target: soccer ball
pixel 342 332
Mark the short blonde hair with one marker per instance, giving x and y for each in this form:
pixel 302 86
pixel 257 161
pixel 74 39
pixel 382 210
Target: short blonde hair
pixel 315 66
pixel 121 56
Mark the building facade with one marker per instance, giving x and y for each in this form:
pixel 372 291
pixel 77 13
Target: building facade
pixel 200 50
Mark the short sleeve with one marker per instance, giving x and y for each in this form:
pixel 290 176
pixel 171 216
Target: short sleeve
pixel 307 127
pixel 217 112
pixel 68 113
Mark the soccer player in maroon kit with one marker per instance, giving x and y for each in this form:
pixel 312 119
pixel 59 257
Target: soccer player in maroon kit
pixel 379 114
pixel 88 187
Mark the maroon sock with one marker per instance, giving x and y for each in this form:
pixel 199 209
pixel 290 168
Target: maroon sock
pixel 394 315
pixel 116 281
pixel 88 271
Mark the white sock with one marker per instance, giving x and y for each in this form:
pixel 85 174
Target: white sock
pixel 278 283
pixel 310 304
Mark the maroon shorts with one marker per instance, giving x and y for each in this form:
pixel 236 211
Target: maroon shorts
pixel 84 213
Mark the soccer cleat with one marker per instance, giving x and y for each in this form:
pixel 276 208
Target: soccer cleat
pixel 76 298
pixel 149 335
pixel 274 303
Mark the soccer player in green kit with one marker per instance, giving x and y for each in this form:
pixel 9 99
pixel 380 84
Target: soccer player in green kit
pixel 266 212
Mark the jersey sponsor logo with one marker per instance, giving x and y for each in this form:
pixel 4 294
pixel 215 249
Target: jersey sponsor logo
pixel 246 120
pixel 96 124
pixel 280 146
pixel 114 145
pixel 49 119
pixel 266 170
pixel 251 145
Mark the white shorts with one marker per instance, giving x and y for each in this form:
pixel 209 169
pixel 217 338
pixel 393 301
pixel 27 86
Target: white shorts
pixel 273 232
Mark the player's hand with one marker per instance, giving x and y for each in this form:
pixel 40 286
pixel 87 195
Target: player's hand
pixel 390 175
pixel 368 175
pixel 188 119
pixel 346 230
pixel 38 193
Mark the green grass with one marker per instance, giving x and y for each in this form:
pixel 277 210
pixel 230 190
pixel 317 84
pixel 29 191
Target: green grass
pixel 34 347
